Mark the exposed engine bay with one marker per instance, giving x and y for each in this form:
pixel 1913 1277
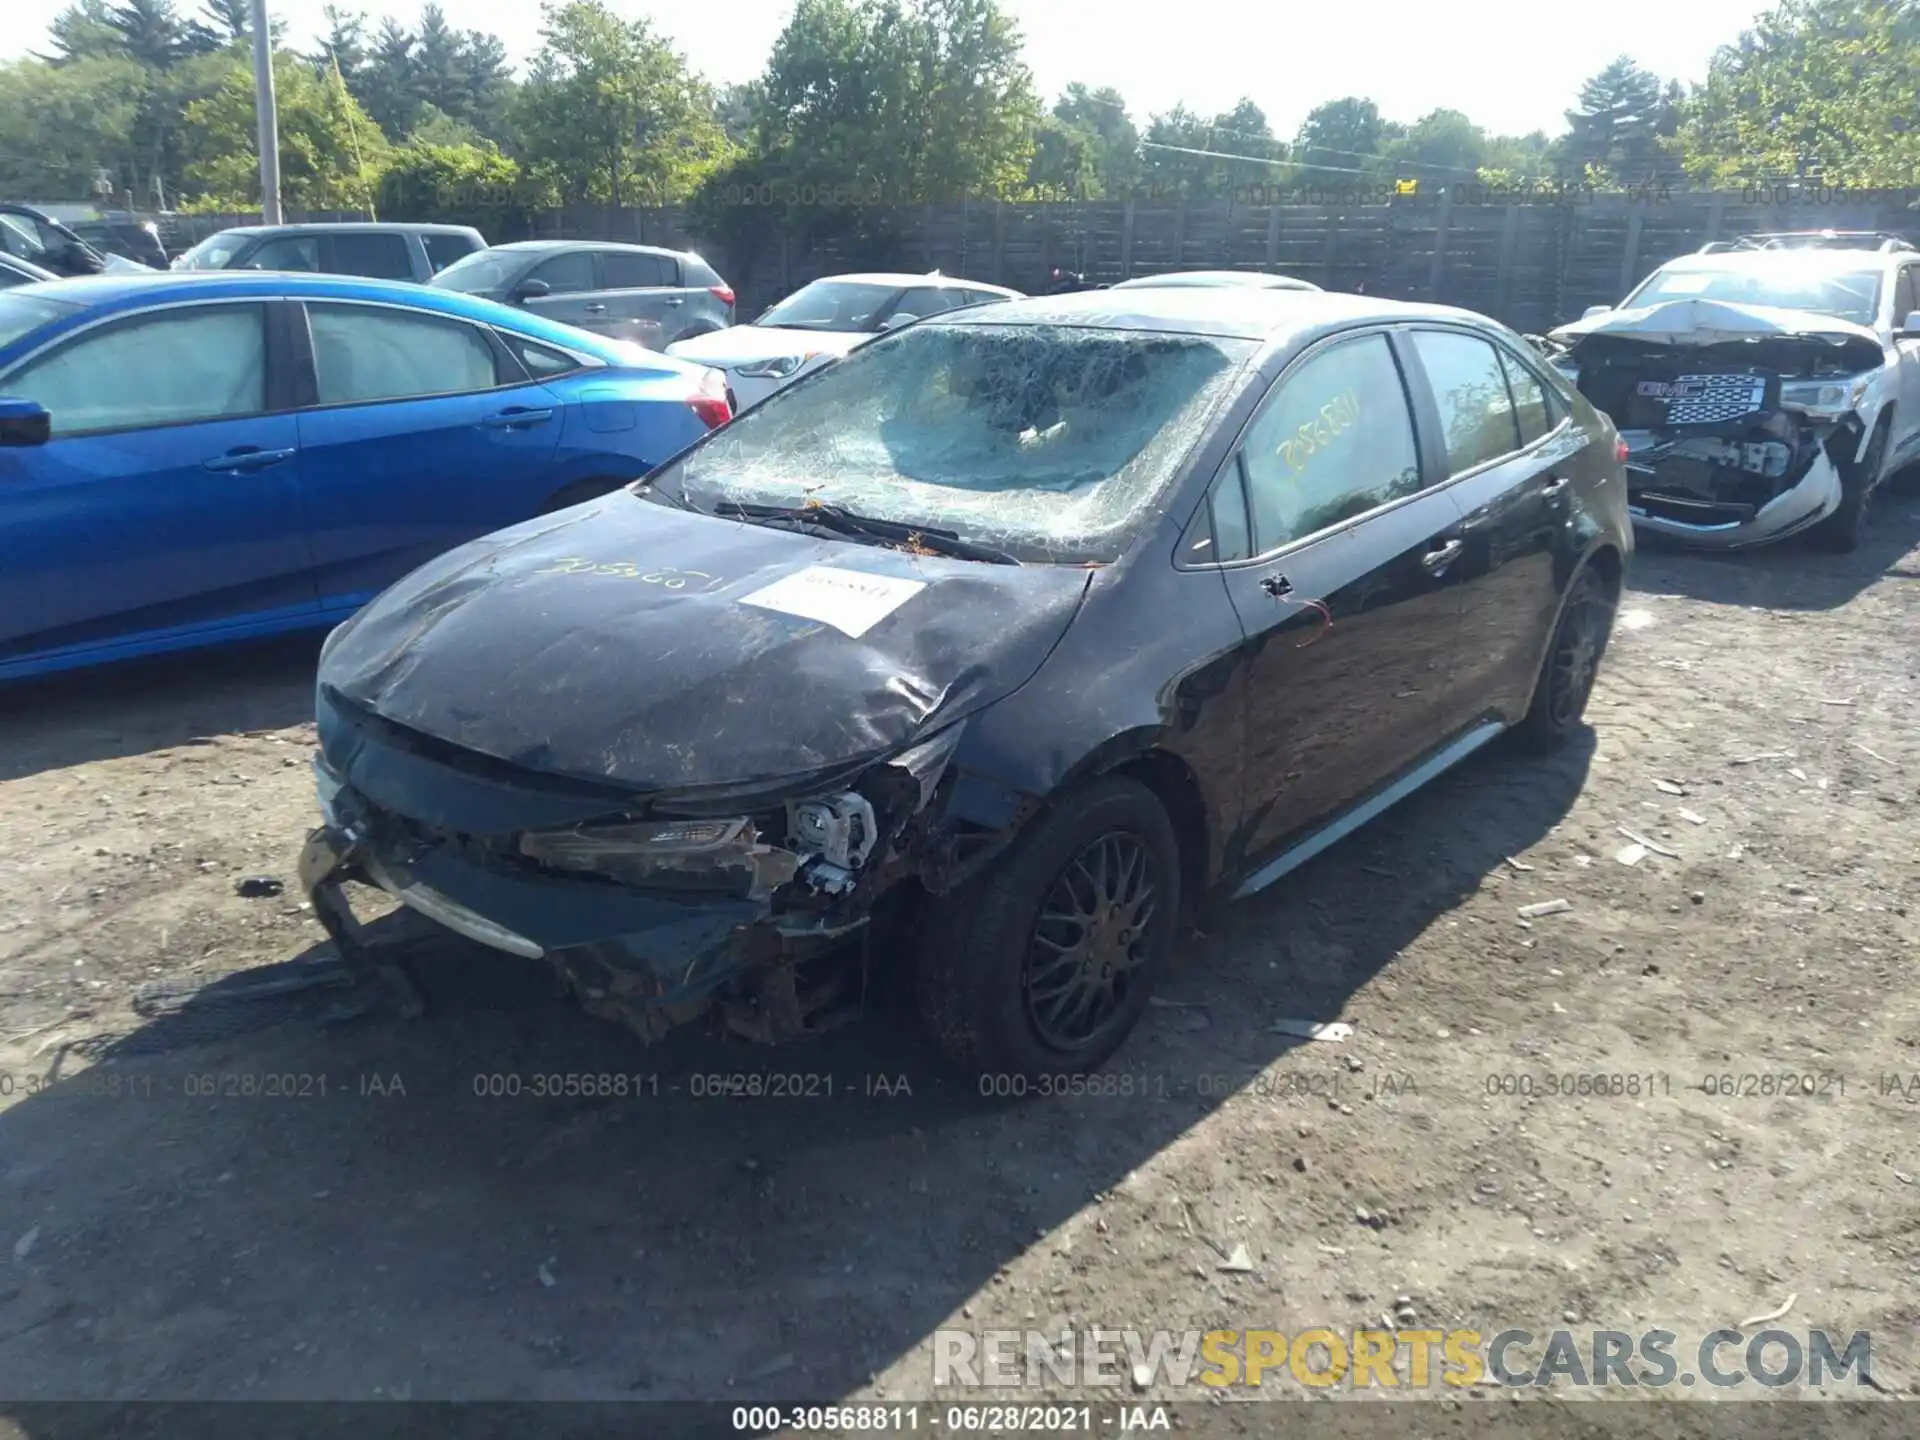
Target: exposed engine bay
pixel 704 899
pixel 1709 443
pixel 1726 433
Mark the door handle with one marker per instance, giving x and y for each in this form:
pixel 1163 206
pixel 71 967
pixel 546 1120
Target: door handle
pixel 595 309
pixel 1437 560
pixel 516 419
pixel 674 300
pixel 244 458
pixel 1554 486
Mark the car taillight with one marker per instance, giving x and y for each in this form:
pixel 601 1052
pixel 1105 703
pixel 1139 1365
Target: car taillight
pixel 714 403
pixel 722 293
pixel 1620 451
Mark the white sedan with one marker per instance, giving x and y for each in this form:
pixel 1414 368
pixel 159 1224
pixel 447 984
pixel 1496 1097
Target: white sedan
pixel 821 322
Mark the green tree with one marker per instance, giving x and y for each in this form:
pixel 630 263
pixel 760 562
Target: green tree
pixel 1102 115
pixel 928 100
pixel 155 34
pixel 1619 129
pixel 1442 147
pixel 1180 145
pixel 1339 138
pixel 610 113
pixel 331 152
pixel 1065 163
pixel 61 125
pixel 458 184
pixel 386 83
pixel 85 31
pixel 344 44
pixel 1818 90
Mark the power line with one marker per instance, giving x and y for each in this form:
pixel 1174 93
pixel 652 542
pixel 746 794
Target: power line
pixel 1271 139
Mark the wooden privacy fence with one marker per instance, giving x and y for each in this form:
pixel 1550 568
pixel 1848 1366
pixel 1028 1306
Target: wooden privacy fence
pixel 1531 262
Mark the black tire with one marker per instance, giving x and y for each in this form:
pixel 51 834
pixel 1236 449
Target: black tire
pixel 987 944
pixel 1842 531
pixel 1572 663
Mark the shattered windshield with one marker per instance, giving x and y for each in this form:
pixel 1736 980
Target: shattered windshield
pixel 1850 295
pixel 1042 441
pixel 831 305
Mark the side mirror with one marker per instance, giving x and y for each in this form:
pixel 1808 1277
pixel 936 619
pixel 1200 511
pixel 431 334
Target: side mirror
pixel 1593 310
pixel 1910 327
pixel 24 422
pixel 894 322
pixel 531 289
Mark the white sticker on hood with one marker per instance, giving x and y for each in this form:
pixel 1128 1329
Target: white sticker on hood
pixel 851 601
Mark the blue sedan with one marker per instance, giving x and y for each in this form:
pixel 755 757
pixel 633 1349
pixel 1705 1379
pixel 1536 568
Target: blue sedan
pixel 186 460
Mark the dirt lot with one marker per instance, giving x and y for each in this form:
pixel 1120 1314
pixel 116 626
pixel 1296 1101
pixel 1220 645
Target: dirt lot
pixel 167 1235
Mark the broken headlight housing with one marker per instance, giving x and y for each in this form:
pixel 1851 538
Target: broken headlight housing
pixel 587 847
pixel 705 855
pixel 1826 399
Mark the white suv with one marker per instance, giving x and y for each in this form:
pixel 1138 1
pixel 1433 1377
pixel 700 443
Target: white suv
pixel 1764 386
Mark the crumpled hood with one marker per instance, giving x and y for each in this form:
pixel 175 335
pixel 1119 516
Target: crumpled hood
pixel 1699 322
pixel 631 642
pixel 738 344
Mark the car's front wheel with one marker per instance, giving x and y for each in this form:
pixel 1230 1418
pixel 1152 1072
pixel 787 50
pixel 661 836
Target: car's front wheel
pixel 1043 964
pixel 1843 530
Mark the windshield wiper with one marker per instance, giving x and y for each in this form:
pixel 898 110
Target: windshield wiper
pixel 838 520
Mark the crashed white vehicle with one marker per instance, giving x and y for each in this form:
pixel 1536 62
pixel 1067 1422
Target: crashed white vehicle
pixel 1763 388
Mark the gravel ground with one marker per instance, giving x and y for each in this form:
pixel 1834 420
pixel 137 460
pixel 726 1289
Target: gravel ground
pixel 389 1231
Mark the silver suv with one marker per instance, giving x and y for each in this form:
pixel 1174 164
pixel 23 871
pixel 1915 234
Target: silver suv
pixel 639 293
pixel 376 249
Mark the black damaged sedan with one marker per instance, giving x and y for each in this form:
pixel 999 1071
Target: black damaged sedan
pixel 998 650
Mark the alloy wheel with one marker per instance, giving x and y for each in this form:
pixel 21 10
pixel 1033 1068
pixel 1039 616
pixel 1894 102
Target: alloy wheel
pixel 1090 941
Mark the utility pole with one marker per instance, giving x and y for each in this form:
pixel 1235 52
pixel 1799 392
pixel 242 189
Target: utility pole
pixel 268 116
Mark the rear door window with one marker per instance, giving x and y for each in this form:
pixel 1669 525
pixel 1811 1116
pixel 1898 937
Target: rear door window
pixel 363 353
pixel 926 300
pixel 541 362
pixel 1531 406
pixel 377 255
pixel 1334 441
pixel 567 274
pixel 625 270
pixel 443 250
pixel 1476 410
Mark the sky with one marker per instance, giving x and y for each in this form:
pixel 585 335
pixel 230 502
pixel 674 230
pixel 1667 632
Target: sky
pixel 1512 66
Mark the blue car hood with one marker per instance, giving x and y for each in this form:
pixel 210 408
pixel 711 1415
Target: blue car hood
pixel 625 641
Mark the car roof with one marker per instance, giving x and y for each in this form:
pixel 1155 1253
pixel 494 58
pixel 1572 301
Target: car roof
pixel 1822 261
pixel 903 281
pixel 400 227
pixel 94 294
pixel 1249 279
pixel 531 247
pixel 1226 312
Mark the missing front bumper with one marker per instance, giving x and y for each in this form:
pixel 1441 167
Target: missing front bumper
pixel 1729 527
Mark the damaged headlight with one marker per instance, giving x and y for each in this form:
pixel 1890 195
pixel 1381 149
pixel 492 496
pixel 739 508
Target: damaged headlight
pixel 1826 399
pixel 586 846
pixel 698 854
